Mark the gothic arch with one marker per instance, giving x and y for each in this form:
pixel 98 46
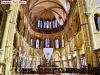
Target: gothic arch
pixel 64 52
pixel 79 40
pixel 1 8
pixel 96 11
pixel 56 55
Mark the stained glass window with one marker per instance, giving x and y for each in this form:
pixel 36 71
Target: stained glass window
pixel 31 43
pixel 97 21
pixel 45 24
pixel 62 41
pixel 61 22
pixel 37 43
pixel 56 43
pixel 39 22
pixel 48 24
pixel 55 23
pixel 47 43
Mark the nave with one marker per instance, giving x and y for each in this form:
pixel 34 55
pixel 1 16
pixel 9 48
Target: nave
pixel 50 36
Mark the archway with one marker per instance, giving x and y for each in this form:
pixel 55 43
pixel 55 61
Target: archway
pixel 56 58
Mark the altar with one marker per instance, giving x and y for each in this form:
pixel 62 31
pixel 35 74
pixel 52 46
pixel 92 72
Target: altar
pixel 51 69
pixel 47 67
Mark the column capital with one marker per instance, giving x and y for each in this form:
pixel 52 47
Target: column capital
pixel 1 51
pixel 78 49
pixel 88 14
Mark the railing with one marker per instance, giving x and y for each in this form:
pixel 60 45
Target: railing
pixel 49 30
pixel 56 70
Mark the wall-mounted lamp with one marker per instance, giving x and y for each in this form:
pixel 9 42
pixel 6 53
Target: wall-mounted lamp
pixel 31 22
pixel 87 13
pixel 1 51
pixel 20 49
pixel 7 44
pixel 8 11
pixel 12 22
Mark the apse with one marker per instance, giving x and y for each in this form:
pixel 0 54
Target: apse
pixel 47 16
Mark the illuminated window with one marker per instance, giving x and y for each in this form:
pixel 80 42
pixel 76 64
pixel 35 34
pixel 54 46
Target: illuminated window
pixel 97 2
pixel 55 23
pixel 45 24
pixel 83 62
pixel 61 22
pixel 39 22
pixel 47 43
pixel 70 63
pixel 56 43
pixel 62 43
pixel 64 61
pixel 31 43
pixel 97 21
pixel 37 43
pixel 48 24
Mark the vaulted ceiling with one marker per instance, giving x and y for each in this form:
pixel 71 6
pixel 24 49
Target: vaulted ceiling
pixel 47 9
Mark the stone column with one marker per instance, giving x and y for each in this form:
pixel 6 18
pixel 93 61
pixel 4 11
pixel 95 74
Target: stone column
pixel 85 29
pixel 91 23
pixel 67 61
pixel 94 59
pixel 60 58
pixel 78 58
pixel 61 62
pixel 51 61
pixel 90 17
pixel 52 43
pixel 40 61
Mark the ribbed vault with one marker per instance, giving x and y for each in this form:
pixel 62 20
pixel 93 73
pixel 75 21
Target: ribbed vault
pixel 47 9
